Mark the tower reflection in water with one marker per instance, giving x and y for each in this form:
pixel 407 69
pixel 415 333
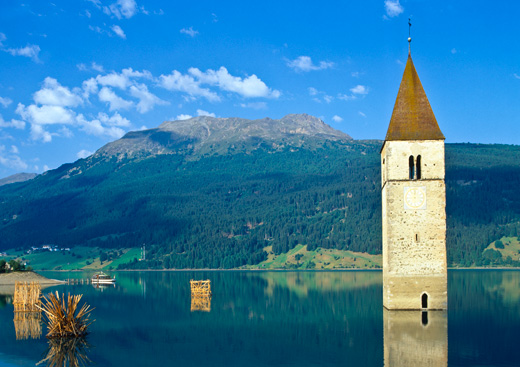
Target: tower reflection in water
pixel 415 338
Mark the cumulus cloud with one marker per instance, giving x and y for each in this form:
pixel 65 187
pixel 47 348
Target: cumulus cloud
pixel 187 84
pixel 115 120
pixel 53 93
pixel 118 31
pixel 122 9
pixel 94 66
pixel 313 91
pixel 31 51
pixel 11 159
pixel 336 118
pixel 122 80
pixel 17 124
pixel 393 8
pixel 183 117
pixel 359 89
pixel 5 101
pixel 147 100
pixel 46 115
pixel 254 105
pixel 205 113
pixel 39 133
pixel 304 64
pixel 250 86
pixel 116 103
pixel 83 153
pixel 189 31
pixel 97 128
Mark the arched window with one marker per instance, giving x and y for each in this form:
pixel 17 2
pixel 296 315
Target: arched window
pixel 418 167
pixel 412 167
pixel 424 300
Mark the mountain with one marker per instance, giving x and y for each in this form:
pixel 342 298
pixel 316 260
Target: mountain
pixel 214 193
pixel 209 135
pixel 17 177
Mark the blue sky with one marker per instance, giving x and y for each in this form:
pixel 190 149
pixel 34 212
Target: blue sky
pixel 75 75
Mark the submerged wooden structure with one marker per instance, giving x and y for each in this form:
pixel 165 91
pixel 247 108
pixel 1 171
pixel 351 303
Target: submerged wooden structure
pixel 27 297
pixel 200 287
pixel 200 295
pixel 64 318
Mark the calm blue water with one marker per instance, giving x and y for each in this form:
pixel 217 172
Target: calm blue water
pixel 284 319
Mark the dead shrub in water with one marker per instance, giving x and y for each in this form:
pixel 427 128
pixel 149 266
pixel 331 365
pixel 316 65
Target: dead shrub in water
pixel 62 319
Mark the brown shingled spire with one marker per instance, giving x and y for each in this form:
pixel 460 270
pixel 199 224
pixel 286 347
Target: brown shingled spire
pixel 412 118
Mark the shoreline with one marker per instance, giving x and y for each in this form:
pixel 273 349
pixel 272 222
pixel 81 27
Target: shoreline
pixel 263 270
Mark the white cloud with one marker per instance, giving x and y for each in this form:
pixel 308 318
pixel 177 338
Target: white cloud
pixel 393 8
pixel 118 31
pixel 14 149
pixel 254 105
pixel 5 101
pixel 304 64
pixel 346 97
pixel 355 74
pixel 189 31
pixel 361 114
pixel 97 67
pixel 313 91
pixel 45 115
pixel 516 76
pixel 187 84
pixel 116 102
pixel 115 120
pixel 96 127
pixel 248 87
pixel 55 94
pixel 205 113
pixel 122 80
pixel 17 124
pixel 122 9
pixel 45 168
pixel 147 100
pixel 327 98
pixel 83 153
pixel 183 117
pixel 89 86
pixel 11 160
pixel 336 118
pixel 39 133
pixel 82 67
pixel 30 51
pixel 2 39
pixel 359 89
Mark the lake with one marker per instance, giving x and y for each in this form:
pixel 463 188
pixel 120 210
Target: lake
pixel 279 319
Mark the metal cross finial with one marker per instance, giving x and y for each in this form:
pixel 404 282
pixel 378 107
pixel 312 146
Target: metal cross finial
pixel 409 34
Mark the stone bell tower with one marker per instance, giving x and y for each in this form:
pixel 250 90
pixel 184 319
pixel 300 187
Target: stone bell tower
pixel 414 202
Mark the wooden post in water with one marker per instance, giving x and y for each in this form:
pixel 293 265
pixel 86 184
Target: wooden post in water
pixel 27 297
pixel 200 295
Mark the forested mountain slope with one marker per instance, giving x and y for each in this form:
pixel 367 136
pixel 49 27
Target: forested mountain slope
pixel 209 192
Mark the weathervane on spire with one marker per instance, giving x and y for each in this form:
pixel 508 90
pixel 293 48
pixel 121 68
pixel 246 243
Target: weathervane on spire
pixel 409 34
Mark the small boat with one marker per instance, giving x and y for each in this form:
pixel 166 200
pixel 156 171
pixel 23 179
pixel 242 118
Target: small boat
pixel 102 278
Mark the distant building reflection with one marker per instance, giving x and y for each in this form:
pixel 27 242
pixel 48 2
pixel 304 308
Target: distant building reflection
pixel 415 338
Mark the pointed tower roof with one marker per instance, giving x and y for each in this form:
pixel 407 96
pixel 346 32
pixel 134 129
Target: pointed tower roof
pixel 412 118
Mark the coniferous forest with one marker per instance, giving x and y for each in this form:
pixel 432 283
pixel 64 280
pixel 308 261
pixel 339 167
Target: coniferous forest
pixel 221 210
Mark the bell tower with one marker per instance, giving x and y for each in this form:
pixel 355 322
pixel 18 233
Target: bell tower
pixel 413 202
